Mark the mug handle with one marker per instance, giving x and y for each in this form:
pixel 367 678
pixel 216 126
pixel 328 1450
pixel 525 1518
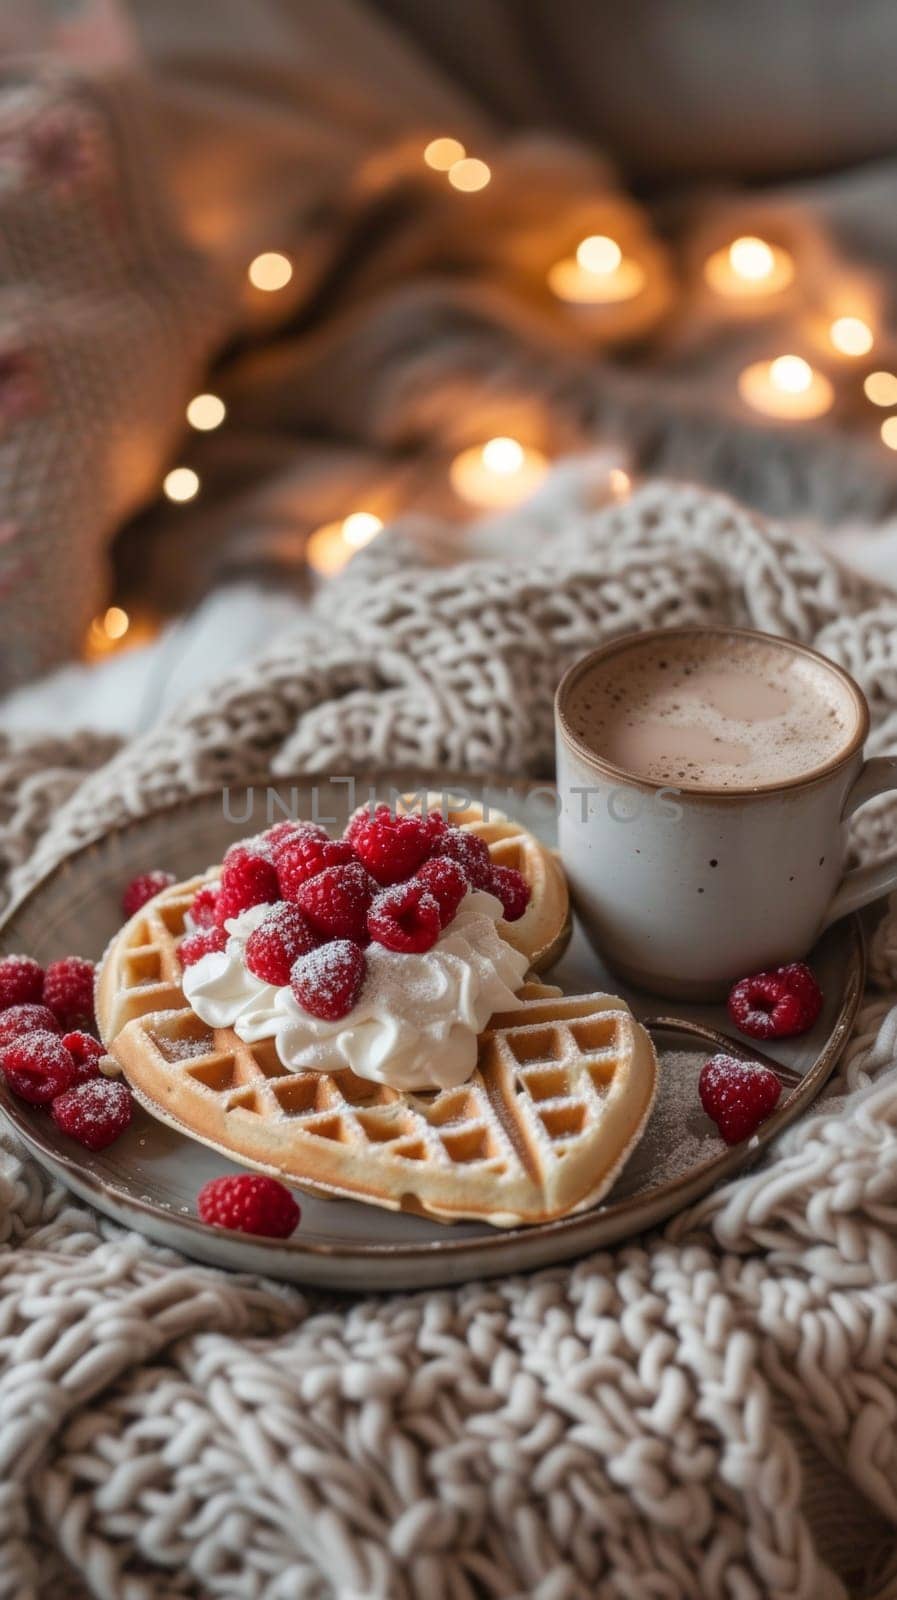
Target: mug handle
pixel 863 884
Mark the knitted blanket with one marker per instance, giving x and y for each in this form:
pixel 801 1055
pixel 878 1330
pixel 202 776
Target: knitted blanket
pixel 706 1412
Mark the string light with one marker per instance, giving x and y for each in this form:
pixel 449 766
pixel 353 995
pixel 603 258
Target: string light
pixel 619 482
pixel 598 274
pixel 116 623
pixel 749 267
pixel 205 412
pixel 270 271
pixel 889 432
pixel 598 253
pixel 441 154
pixel 329 547
pixel 787 388
pixel 181 483
pixel 881 388
pixel 501 472
pixel 360 527
pixel 107 632
pixel 851 335
pixel 469 174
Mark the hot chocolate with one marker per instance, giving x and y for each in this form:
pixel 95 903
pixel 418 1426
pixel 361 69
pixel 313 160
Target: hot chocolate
pixel 712 710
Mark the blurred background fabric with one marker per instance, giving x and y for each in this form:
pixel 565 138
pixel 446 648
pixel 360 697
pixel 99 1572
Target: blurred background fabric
pixel 149 150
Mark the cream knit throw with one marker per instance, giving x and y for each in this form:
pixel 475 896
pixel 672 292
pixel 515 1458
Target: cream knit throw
pixel 708 1412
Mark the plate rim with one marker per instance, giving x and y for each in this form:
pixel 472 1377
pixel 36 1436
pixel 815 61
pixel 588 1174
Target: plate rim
pixel 708 1173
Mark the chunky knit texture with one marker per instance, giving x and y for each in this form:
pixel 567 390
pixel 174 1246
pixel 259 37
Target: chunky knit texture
pixel 707 1412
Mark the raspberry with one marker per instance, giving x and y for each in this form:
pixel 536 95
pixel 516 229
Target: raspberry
pixel 336 901
pixel 363 815
pixel 776 1004
pixel 392 847
pixel 471 853
pixel 737 1096
pixel 94 1113
pixel 204 910
pixel 283 833
pixel 328 981
pixel 21 982
pixel 38 1067
pixel 17 1020
pixel 247 879
pixel 68 991
pixel 142 889
pixel 512 889
pixel 249 1203
pixel 277 942
pixel 196 945
pixel 405 918
pixel 445 881
pixel 85 1051
pixel 304 856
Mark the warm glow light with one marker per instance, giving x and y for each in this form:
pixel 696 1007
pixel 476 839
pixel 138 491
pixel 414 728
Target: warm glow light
pixel 749 267
pixel 359 528
pixel 787 388
pixel 116 623
pixel 501 472
pixel 889 432
pixel 181 483
pixel 881 388
pixel 598 253
pixel 441 154
pixel 620 482
pixel 205 412
pixel 270 271
pixel 469 175
pixel 851 335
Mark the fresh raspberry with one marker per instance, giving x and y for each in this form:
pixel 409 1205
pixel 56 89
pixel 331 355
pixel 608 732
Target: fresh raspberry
pixel 471 853
pixel 364 815
pixel 38 1067
pixel 204 910
pixel 247 879
pixel 512 889
pixel 94 1113
pixel 21 982
pixel 249 1203
pixel 336 902
pixel 196 945
pixel 17 1020
pixel 142 889
pixel 283 833
pixel 406 917
pixel 392 847
pixel 328 981
pixel 304 856
pixel 85 1051
pixel 737 1096
pixel 68 991
pixel 776 1004
pixel 445 881
pixel 278 941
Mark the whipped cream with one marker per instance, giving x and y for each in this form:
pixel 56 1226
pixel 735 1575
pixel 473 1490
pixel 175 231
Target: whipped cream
pixel 416 1021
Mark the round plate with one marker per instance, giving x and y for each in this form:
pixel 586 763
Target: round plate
pixel 149 1178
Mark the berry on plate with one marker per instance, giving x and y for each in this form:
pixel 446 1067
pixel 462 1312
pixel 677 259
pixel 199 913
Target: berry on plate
pixel 247 879
pixel 249 1203
pixel 471 853
pixel 328 981
pixel 737 1096
pixel 511 888
pixel 17 1020
pixel 38 1067
pixel 445 881
pixel 204 910
pixel 305 855
pixel 392 847
pixel 776 1004
pixel 85 1051
pixel 405 918
pixel 68 991
pixel 142 889
pixel 194 946
pixel 336 901
pixel 278 941
pixel 94 1113
pixel 21 982
pixel 284 833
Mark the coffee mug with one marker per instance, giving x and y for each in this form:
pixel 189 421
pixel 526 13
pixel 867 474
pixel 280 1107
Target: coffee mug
pixel 684 889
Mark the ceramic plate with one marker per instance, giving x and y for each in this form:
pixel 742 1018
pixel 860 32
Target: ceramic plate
pixel 148 1180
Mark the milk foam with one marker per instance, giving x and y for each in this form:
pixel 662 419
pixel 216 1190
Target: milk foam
pixel 712 712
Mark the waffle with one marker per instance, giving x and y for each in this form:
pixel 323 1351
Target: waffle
pixel 561 1092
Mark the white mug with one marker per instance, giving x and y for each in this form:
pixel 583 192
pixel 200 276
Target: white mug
pixel 684 891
